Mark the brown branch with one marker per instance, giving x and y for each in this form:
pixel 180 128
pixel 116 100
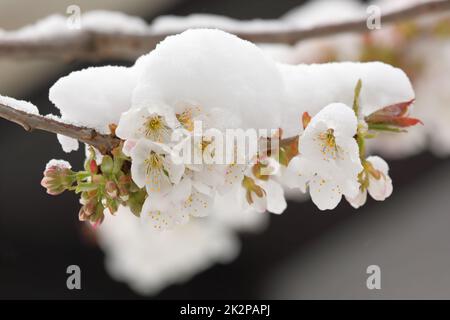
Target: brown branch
pixel 94 46
pixel 103 142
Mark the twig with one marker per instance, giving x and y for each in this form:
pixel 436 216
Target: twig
pixel 95 46
pixel 103 142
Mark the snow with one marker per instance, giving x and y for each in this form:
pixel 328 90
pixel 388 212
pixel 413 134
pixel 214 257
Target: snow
pixel 20 105
pixel 333 11
pixel 94 97
pixel 321 12
pixel 58 163
pixel 56 26
pixel 68 144
pixel 51 27
pixel 176 24
pixel 215 70
pixel 311 87
pixel 113 22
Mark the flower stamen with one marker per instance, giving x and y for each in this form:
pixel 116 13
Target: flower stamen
pixel 328 144
pixel 155 128
pixel 155 171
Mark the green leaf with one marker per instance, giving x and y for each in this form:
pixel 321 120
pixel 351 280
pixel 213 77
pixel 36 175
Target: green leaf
pixel 107 165
pixel 118 162
pixel 136 201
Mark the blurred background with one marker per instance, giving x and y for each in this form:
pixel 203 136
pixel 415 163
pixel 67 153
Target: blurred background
pixel 302 254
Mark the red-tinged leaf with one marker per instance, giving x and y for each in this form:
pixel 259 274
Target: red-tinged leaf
pixel 395 121
pixel 306 118
pixel 393 115
pixel 393 110
pixel 406 122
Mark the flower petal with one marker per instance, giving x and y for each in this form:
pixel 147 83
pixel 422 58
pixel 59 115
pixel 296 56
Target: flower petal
pixel 129 124
pixel 359 200
pixel 380 189
pixel 295 176
pixel 326 194
pixel 197 204
pixel 161 219
pixel 276 202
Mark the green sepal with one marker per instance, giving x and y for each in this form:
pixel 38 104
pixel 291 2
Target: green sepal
pixel 107 164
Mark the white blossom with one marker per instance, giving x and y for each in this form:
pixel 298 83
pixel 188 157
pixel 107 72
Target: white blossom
pixel 266 194
pixel 154 123
pixel 152 167
pixel 379 183
pixel 328 161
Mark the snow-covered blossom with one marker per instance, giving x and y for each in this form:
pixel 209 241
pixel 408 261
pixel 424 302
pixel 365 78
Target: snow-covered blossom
pixel 155 123
pixel 217 79
pixel 224 89
pixel 375 180
pixel 328 161
pixel 216 70
pixel 153 167
pixel 57 176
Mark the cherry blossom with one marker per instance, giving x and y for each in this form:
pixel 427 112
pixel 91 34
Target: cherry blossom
pixel 152 167
pixel 328 161
pixel 263 191
pixel 57 176
pixel 154 123
pixel 375 180
pixel 184 200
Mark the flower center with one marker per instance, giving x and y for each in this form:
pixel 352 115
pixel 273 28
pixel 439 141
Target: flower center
pixel 154 127
pixel 328 142
pixel 204 144
pixel 154 162
pixel 157 176
pixel 185 118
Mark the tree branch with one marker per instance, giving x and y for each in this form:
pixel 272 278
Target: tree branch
pixel 95 46
pixel 103 142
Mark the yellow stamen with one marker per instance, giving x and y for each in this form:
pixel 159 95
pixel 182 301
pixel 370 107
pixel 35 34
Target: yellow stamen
pixel 328 142
pixel 186 119
pixel 155 128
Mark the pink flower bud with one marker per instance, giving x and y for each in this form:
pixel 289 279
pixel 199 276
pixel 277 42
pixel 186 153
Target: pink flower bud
pixel 93 166
pixel 124 185
pixel 111 189
pixel 88 210
pixel 57 177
